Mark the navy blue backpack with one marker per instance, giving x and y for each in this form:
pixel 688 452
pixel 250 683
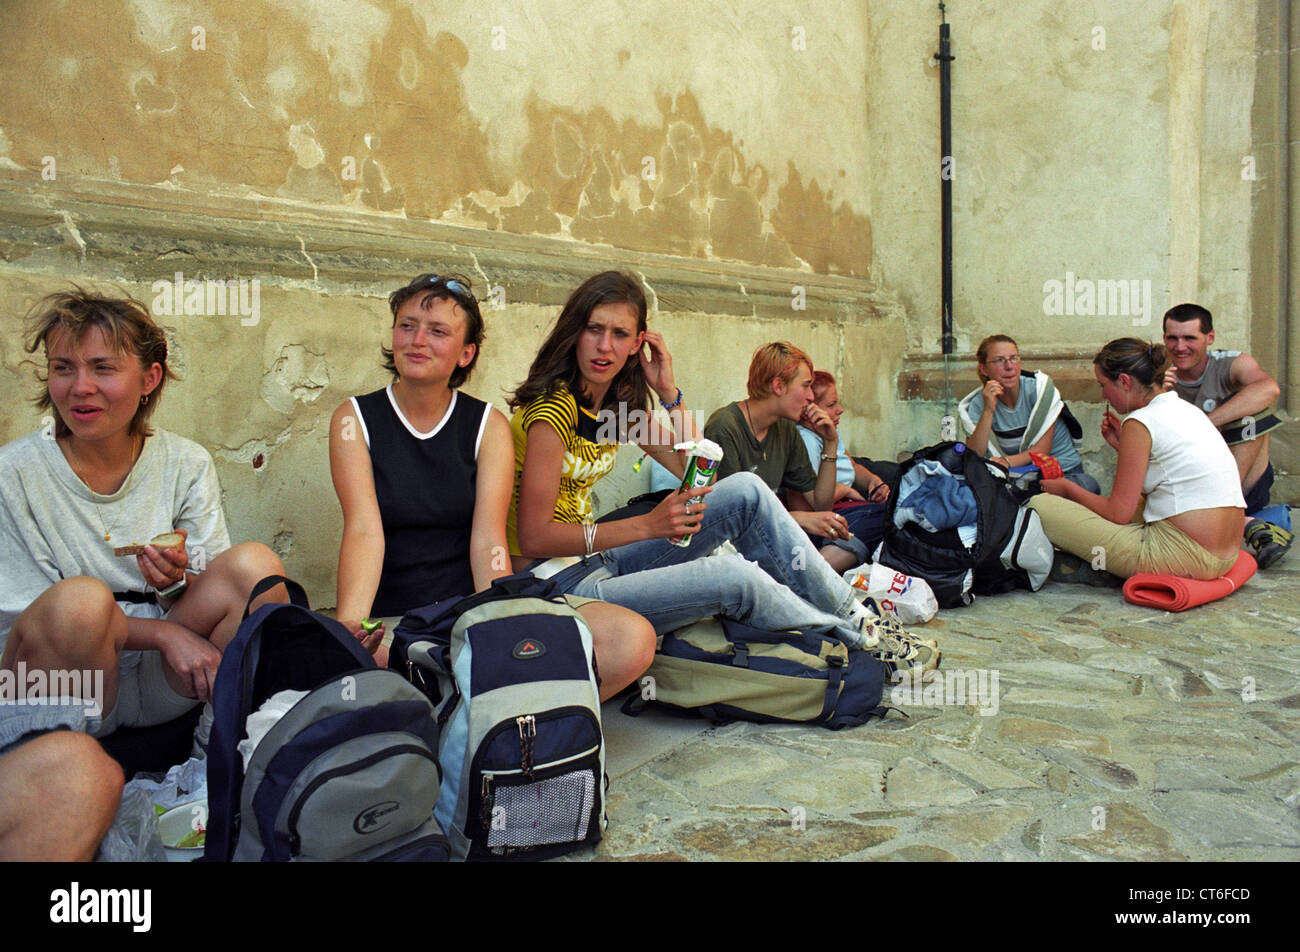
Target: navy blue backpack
pixel 522 749
pixel 348 773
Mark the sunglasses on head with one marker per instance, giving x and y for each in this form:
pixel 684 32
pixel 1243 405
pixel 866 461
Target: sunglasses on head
pixel 450 283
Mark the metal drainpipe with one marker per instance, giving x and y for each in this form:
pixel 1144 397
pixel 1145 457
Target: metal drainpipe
pixel 944 56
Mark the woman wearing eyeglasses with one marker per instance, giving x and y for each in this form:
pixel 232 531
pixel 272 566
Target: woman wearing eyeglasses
pixel 424 473
pixel 1018 413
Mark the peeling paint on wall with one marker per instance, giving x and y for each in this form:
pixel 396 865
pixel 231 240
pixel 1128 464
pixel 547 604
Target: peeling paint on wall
pixel 365 105
pixel 297 376
pixel 255 452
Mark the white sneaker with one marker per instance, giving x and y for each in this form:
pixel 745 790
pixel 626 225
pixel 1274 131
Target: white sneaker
pixel 202 733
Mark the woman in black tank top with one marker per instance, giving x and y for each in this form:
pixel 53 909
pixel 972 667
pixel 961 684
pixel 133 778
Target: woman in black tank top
pixel 424 473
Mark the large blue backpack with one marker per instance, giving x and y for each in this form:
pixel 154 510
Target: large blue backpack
pixel 348 773
pixel 522 750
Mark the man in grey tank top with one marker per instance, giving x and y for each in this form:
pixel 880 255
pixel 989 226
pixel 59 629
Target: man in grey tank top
pixel 1238 396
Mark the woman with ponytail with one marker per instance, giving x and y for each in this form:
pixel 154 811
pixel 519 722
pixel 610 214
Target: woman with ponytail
pixel 1176 506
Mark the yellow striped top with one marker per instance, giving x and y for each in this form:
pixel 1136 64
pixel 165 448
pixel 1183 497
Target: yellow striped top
pixel 586 457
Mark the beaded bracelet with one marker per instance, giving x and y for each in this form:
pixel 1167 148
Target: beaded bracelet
pixel 676 403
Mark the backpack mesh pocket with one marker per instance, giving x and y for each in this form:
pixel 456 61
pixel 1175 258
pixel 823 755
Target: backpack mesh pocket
pixel 556 809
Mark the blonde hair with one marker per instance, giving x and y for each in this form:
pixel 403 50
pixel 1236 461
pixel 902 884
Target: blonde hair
pixel 127 326
pixel 982 353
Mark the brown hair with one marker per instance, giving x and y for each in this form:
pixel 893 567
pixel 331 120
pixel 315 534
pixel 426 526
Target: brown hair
pixel 982 353
pixel 126 325
pixel 451 287
pixel 778 359
pixel 556 362
pixel 1142 361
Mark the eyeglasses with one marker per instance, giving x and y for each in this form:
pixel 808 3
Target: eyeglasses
pixel 450 283
pixel 1005 361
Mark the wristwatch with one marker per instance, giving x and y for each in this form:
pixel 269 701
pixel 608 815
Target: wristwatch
pixel 174 589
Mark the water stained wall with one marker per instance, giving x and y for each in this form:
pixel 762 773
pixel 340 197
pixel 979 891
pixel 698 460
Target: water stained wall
pixel 393 107
pixel 770 173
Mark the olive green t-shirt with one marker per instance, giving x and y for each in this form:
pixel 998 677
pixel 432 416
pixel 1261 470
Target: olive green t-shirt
pixel 780 460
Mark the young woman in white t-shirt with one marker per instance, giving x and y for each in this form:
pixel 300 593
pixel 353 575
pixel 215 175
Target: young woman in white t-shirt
pixel 99 478
pixel 1176 506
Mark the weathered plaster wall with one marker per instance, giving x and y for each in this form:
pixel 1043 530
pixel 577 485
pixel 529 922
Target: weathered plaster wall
pixel 690 135
pixel 743 160
pixel 331 150
pixel 1112 141
pixel 1118 162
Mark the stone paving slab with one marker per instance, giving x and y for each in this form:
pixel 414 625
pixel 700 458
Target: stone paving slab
pixel 1117 733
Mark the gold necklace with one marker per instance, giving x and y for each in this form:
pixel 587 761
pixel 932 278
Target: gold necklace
pixel 108 530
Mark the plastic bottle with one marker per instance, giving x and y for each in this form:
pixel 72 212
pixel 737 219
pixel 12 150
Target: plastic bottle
pixel 951 458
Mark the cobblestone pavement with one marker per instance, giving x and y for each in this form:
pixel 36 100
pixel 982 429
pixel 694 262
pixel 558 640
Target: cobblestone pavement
pixel 1115 733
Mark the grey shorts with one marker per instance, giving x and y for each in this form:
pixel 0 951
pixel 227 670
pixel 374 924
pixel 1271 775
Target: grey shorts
pixel 144 697
pixel 20 723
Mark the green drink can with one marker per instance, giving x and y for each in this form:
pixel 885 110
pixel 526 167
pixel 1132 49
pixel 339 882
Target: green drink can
pixel 702 462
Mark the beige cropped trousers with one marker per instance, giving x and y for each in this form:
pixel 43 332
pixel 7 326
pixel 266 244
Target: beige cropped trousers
pixel 1128 549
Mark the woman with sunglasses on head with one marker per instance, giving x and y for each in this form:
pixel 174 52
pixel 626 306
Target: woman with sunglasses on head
pixel 1017 413
pixel 588 390
pixel 424 473
pixel 1176 507
pixel 100 480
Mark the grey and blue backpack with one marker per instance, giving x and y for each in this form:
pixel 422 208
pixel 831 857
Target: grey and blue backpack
pixel 348 773
pixel 726 670
pixel 513 675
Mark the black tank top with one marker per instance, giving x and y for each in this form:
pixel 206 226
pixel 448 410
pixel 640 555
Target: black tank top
pixel 425 486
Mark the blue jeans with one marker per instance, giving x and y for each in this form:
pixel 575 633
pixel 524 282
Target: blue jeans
pixel 1258 496
pixel 779 581
pixel 1081 478
pixel 867 523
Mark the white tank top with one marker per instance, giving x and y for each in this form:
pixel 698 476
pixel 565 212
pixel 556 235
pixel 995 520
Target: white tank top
pixel 1191 466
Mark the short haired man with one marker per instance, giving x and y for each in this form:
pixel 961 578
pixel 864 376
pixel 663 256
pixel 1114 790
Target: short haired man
pixel 1237 395
pixel 760 435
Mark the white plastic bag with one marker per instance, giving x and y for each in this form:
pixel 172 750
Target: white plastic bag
pixel 908 597
pixel 133 837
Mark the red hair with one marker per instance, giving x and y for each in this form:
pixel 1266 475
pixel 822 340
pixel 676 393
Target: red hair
pixel 778 359
pixel 822 381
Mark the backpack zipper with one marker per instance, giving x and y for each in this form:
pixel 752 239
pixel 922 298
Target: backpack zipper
pixel 527 724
